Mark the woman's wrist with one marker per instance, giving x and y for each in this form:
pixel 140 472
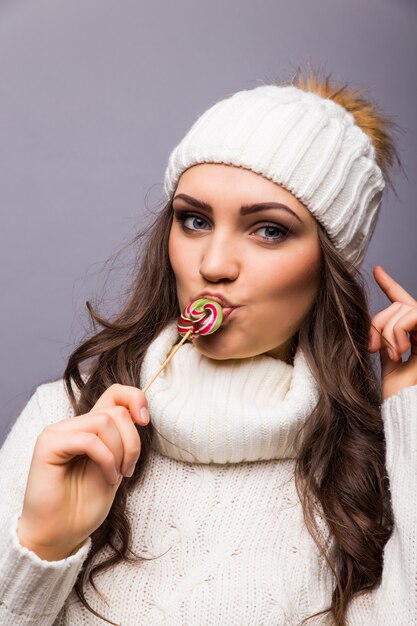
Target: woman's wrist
pixel 43 550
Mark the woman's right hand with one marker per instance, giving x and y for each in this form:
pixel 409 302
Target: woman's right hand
pixel 75 472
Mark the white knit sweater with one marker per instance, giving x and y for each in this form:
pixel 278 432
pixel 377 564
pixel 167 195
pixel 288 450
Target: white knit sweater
pixel 216 508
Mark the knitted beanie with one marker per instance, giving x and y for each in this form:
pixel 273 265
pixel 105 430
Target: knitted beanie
pixel 308 144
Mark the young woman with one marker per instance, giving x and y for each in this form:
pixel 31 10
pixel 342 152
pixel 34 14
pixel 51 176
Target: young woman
pixel 268 476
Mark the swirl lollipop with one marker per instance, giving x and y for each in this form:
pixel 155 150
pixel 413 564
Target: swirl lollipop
pixel 200 317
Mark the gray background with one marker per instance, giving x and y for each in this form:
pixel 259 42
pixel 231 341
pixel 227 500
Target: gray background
pixel 96 93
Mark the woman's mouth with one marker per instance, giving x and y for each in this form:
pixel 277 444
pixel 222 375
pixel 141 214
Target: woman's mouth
pixel 227 311
pixel 217 297
pixel 227 307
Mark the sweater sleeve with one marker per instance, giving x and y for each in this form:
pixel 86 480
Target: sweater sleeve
pixel 32 590
pixel 394 601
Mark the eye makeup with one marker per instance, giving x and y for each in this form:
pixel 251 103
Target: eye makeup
pixel 181 216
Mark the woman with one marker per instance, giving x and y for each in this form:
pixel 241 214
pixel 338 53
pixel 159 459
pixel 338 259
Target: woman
pixel 275 481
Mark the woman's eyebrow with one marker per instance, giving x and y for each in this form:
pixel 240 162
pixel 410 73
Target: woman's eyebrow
pixel 246 209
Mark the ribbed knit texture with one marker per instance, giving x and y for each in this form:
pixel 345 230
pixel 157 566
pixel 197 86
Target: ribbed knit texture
pixel 203 422
pixel 229 539
pixel 308 144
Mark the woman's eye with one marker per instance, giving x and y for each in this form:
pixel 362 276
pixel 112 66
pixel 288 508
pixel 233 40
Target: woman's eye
pixel 273 232
pixel 190 221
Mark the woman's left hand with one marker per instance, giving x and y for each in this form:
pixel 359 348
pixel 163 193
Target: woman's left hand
pixel 398 325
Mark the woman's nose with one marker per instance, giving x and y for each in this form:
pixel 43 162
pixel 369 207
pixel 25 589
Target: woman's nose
pixel 219 260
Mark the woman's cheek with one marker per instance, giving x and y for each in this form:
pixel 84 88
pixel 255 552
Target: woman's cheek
pixel 301 276
pixel 175 258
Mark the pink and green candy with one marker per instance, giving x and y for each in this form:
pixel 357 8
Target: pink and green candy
pixel 200 317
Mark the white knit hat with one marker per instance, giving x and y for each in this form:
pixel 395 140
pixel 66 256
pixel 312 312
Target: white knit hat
pixel 308 144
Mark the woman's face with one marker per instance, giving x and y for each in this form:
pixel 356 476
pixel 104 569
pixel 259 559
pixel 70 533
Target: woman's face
pixel 263 261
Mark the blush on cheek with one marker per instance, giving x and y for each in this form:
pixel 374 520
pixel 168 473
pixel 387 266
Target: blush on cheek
pixel 298 291
pixel 303 272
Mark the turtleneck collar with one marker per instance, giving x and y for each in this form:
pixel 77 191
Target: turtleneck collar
pixel 208 411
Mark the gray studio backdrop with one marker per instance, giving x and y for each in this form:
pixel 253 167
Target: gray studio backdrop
pixel 94 94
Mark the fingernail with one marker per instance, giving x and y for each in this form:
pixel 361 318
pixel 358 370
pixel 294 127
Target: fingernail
pixel 390 352
pixel 144 415
pixel 129 471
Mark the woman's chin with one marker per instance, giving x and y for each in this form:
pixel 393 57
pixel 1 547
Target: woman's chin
pixel 219 346
pixel 226 345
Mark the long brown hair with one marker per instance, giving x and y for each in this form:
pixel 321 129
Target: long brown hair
pixel 340 471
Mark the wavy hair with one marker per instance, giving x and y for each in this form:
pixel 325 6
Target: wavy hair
pixel 340 470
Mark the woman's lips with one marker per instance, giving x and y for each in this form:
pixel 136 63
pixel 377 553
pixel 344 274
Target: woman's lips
pixel 217 297
pixel 227 307
pixel 227 311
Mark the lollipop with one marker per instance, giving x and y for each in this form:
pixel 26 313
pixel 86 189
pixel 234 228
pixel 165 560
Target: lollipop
pixel 201 317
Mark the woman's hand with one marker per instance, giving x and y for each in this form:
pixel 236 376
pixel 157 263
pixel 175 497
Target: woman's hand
pixel 75 472
pixel 398 325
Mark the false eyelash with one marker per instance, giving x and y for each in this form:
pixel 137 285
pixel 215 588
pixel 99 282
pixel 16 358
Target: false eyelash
pixel 181 216
pixel 283 232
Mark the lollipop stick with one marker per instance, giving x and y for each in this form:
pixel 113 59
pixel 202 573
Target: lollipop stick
pixel 149 383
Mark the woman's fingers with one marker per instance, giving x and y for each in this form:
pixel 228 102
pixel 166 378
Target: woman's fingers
pixel 400 327
pixel 128 436
pixel 79 443
pixel 379 322
pixel 393 324
pixel 387 321
pixel 391 288
pixel 115 429
pixel 132 398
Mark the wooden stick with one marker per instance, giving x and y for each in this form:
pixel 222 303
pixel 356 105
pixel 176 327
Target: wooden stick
pixel 149 383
